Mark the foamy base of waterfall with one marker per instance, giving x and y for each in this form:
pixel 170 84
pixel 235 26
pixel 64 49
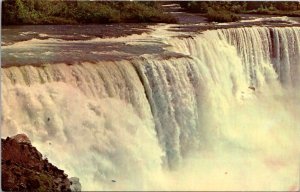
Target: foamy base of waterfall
pixel 253 146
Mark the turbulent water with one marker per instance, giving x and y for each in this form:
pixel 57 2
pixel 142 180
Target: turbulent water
pixel 222 115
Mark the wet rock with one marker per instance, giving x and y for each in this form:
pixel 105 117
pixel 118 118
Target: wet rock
pixel 21 138
pixel 23 168
pixel 33 184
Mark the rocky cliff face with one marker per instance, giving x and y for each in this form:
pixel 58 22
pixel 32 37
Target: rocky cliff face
pixel 24 169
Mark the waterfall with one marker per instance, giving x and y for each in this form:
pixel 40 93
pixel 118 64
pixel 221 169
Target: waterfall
pixel 91 120
pixel 260 46
pixel 261 49
pixel 232 94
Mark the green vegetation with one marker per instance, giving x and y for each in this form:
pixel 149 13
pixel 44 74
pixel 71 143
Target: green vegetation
pixel 93 12
pixel 291 9
pixel 81 12
pixel 223 11
pixel 214 11
pixel 221 15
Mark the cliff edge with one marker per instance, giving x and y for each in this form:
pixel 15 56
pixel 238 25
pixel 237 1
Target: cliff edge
pixel 24 169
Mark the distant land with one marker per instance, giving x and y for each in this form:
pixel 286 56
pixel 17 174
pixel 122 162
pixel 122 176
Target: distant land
pixel 226 11
pixel 17 12
pixel 22 12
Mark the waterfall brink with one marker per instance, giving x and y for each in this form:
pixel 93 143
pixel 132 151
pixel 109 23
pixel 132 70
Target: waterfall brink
pixel 261 49
pixel 229 105
pixel 260 46
pixel 102 80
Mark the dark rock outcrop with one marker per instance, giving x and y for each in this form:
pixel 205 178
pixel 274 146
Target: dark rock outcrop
pixel 24 169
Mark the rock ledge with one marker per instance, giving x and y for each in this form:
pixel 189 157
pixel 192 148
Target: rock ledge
pixel 24 169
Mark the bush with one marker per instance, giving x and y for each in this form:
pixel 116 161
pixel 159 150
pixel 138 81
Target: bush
pixel 196 7
pixel 221 16
pixel 259 7
pixel 137 11
pixel 72 12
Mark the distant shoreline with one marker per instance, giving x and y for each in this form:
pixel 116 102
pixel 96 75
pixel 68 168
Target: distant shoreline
pixel 36 12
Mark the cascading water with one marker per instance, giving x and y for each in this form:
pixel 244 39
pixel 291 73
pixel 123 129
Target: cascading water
pixel 276 47
pixel 224 110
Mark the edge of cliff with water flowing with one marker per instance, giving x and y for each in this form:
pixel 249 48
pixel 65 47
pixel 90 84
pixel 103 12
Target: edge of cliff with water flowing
pixel 223 98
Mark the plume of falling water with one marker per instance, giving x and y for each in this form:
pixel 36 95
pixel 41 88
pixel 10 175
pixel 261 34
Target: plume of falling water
pixel 189 123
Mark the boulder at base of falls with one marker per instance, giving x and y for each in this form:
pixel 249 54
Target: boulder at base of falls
pixel 24 169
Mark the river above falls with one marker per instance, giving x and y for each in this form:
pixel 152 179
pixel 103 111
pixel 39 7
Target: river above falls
pixel 47 44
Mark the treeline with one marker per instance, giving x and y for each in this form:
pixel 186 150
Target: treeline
pixel 81 12
pixel 226 11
